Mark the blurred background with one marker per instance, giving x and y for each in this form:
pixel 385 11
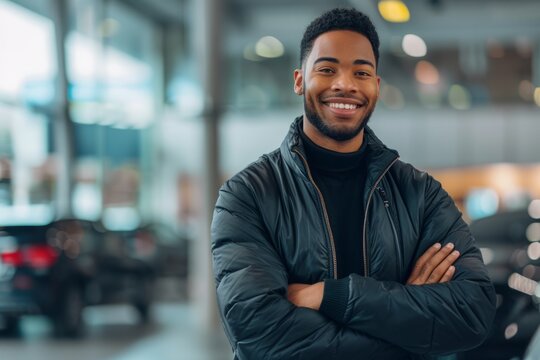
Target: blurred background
pixel 119 120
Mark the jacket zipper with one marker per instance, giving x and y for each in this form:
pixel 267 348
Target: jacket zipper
pixel 325 215
pixel 396 239
pixel 364 241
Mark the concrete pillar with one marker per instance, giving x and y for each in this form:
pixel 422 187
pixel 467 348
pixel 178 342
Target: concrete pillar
pixel 148 136
pixel 62 124
pixel 205 29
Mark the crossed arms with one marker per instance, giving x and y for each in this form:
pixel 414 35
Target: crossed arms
pixel 434 266
pixel 384 319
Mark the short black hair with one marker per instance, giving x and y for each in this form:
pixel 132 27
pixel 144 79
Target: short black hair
pixel 339 19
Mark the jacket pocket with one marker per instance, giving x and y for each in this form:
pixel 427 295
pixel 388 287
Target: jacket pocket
pixel 397 244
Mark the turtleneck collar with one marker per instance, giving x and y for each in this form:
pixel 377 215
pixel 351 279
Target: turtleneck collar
pixel 328 160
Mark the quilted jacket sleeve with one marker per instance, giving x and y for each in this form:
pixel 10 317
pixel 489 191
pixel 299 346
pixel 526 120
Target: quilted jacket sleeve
pixel 251 286
pixel 435 318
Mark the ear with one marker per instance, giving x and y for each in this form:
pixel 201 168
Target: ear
pixel 298 82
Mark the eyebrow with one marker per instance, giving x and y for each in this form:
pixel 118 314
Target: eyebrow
pixel 355 62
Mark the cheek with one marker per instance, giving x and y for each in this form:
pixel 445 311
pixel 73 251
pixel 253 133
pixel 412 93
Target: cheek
pixel 373 89
pixel 314 88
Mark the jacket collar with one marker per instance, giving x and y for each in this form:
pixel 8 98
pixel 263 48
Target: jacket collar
pixel 379 156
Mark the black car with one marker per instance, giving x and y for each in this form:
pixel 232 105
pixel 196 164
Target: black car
pixel 161 245
pixel 59 268
pixel 509 246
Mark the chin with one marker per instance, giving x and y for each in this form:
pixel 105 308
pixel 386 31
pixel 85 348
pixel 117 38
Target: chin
pixel 339 129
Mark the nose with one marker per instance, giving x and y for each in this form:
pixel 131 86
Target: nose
pixel 344 82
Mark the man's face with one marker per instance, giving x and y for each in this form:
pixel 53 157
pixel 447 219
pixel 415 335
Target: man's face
pixel 340 85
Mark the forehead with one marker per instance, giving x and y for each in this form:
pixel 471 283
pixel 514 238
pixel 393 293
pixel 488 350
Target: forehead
pixel 343 45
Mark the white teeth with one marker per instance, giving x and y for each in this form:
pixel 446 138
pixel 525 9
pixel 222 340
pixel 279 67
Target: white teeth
pixel 342 106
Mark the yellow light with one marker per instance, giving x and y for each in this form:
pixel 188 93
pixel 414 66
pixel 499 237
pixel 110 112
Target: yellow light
pixel 394 11
pixel 537 96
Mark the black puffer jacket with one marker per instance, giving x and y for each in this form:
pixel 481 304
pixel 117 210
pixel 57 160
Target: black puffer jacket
pixel 270 229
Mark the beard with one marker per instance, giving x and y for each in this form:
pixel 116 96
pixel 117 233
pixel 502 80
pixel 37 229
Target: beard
pixel 333 133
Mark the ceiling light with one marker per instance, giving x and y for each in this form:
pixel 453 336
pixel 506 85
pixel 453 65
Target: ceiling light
pixel 414 45
pixel 394 11
pixel 426 73
pixel 537 96
pixel 533 251
pixel 534 209
pixel 533 232
pixel 522 284
pixel 459 97
pixel 269 47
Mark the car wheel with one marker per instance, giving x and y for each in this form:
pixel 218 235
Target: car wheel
pixel 67 321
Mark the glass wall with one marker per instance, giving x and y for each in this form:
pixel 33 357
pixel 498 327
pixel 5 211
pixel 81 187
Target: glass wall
pixel 113 70
pixel 27 96
pixel 114 79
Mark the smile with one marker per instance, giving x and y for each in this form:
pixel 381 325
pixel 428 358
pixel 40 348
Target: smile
pixel 343 106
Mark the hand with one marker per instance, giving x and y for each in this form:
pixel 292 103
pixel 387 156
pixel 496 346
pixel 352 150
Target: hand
pixel 304 295
pixel 434 266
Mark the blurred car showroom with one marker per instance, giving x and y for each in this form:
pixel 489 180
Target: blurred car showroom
pixel 120 119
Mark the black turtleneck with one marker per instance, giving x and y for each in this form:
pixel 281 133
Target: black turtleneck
pixel 341 179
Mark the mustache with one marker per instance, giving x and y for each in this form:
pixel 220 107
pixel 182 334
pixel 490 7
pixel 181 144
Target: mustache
pixel 342 95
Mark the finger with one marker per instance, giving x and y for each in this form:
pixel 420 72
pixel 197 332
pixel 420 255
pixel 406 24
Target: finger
pixel 448 275
pixel 442 268
pixel 435 260
pixel 423 259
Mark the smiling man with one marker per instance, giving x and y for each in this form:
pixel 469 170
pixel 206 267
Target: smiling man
pixel 330 247
pixel 337 105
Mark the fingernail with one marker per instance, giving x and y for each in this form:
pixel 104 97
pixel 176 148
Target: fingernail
pixel 455 253
pixel 449 245
pixel 437 245
pixel 452 268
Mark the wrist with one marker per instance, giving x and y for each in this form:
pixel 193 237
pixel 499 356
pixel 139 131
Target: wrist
pixel 317 293
pixel 335 299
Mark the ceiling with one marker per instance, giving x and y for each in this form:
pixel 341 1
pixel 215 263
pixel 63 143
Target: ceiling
pixel 439 22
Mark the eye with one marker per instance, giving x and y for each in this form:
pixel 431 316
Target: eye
pixel 363 73
pixel 326 70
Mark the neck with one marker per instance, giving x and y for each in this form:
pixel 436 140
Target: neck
pixel 342 146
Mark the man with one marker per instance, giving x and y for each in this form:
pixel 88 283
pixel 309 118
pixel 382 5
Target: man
pixel 330 247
